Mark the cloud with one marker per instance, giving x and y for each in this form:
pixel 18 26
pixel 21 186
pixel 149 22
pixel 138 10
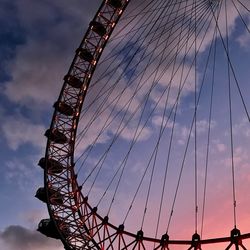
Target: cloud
pixel 32 216
pixel 41 62
pixel 203 126
pixel 16 237
pixel 221 147
pixel 21 173
pixel 244 39
pixel 19 131
pixel 242 128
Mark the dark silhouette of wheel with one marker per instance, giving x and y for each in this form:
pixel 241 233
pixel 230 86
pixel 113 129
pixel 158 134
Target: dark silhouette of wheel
pixel 139 121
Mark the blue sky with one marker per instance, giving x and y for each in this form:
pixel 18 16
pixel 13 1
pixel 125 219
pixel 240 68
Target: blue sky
pixel 37 43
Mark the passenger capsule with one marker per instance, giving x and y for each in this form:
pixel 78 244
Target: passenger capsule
pixel 85 55
pixel 98 28
pixel 55 197
pixel 56 136
pixel 64 108
pixel 48 228
pixel 53 166
pixel 115 3
pixel 73 81
pixel 69 248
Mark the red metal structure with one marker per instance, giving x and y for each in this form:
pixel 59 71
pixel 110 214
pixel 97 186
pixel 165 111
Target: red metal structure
pixel 72 218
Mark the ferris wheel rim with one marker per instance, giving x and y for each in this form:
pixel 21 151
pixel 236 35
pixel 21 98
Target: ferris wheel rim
pixel 78 199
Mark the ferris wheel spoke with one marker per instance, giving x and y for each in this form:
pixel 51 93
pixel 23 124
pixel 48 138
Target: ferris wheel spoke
pixel 169 150
pixel 156 106
pixel 174 12
pixel 184 41
pixel 214 47
pixel 135 123
pixel 124 90
pixel 241 17
pixel 117 67
pixel 243 5
pixel 126 162
pixel 162 128
pixel 232 69
pixel 186 148
pixel 138 50
pixel 137 190
pixel 231 122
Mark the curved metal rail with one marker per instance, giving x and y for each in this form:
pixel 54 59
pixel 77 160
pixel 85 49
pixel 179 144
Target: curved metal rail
pixel 78 224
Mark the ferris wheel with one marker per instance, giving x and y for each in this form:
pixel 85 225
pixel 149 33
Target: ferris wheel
pixel 148 146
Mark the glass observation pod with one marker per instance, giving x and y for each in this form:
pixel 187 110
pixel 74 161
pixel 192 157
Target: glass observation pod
pixel 55 197
pixel 64 108
pixel 98 28
pixel 115 3
pixel 56 136
pixel 85 55
pixel 73 81
pixel 53 166
pixel 49 229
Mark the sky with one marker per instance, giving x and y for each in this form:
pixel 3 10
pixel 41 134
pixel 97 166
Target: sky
pixel 37 43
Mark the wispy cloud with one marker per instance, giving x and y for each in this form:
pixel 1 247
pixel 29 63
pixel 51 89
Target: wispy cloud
pixel 17 237
pixel 40 63
pixel 19 131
